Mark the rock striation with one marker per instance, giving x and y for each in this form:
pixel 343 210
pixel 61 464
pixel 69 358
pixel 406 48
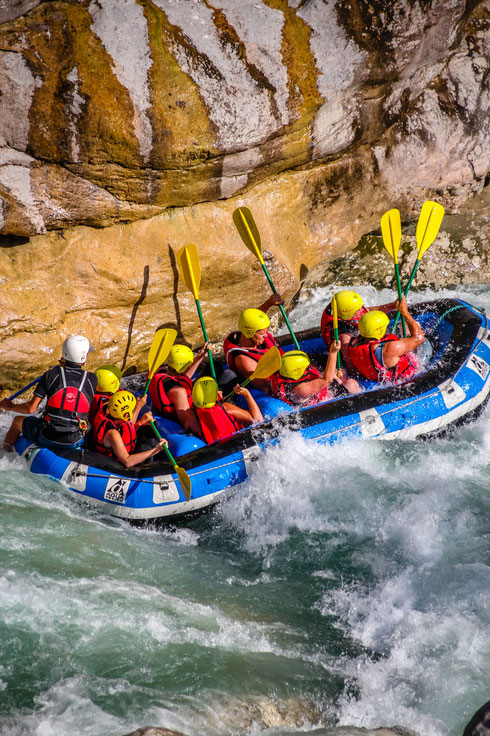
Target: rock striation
pixel 129 128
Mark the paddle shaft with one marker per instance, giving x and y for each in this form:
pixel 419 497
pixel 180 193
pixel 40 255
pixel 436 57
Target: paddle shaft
pixel 399 287
pixel 336 338
pixel 412 276
pixel 245 383
pixel 169 454
pixel 210 356
pixel 271 284
pixel 22 390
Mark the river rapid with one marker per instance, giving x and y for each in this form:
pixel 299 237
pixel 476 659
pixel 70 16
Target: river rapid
pixel 342 585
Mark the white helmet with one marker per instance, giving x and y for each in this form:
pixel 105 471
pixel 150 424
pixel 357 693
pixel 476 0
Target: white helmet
pixel 75 349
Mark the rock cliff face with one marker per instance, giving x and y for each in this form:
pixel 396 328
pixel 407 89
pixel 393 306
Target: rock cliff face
pixel 129 128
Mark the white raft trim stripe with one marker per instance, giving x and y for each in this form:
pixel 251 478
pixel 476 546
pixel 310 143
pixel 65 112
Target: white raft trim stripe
pixel 154 512
pixel 411 433
pixel 422 427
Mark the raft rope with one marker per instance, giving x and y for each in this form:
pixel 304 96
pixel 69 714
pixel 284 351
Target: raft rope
pixel 81 474
pixel 458 306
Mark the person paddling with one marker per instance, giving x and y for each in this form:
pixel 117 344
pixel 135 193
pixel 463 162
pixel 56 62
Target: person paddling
pixel 69 391
pixel 218 419
pixel 350 309
pixel 389 358
pixel 244 348
pixel 114 430
pixel 297 382
pixel 108 382
pixel 170 389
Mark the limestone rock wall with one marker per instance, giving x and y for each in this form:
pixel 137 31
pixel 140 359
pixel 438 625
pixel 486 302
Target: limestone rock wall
pixel 129 128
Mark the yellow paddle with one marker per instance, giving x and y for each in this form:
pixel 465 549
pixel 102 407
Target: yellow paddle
pixel 428 226
pixel 159 350
pixel 268 364
pixel 245 224
pixel 391 230
pixel 190 270
pixel 185 481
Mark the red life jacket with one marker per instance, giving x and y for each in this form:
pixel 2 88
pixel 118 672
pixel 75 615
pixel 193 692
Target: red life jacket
pixel 282 387
pixel 216 423
pixel 160 385
pixel 363 357
pixel 100 400
pixel 103 424
pixel 68 407
pixel 232 349
pixel 346 326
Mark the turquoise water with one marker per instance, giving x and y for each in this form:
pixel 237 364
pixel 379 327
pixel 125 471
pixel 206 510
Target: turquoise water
pixel 338 585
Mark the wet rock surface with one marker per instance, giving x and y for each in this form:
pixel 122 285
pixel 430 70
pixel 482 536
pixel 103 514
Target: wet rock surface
pixel 460 254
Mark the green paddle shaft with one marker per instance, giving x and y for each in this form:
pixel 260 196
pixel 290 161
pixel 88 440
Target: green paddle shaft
pixel 399 287
pixel 245 383
pixel 169 454
pixel 201 319
pixel 414 271
pixel 336 338
pixel 271 284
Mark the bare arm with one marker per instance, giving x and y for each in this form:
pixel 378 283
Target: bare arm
pixel 241 415
pixel 330 368
pixel 386 308
pixel 113 439
pixel 246 367
pixel 273 301
pixel 307 389
pixel 393 350
pixel 253 408
pixel 140 402
pixel 197 361
pixel 185 415
pixel 26 407
pixel 145 419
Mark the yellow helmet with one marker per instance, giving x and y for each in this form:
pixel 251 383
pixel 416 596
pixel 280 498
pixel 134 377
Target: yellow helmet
pixel 348 302
pixel 205 392
pixel 293 364
pixel 108 378
pixel 121 405
pixel 180 358
pixel 252 320
pixel 373 324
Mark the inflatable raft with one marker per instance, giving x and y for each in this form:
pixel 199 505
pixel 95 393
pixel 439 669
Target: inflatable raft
pixel 452 387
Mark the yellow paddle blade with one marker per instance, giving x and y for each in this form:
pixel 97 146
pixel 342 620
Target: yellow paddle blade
pixel 160 348
pixel 248 231
pixel 269 363
pixel 428 225
pixel 185 482
pixel 334 313
pixel 391 230
pixel 190 268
